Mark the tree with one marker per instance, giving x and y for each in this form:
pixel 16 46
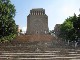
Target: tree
pixel 7 23
pixel 78 29
pixel 51 32
pixel 68 28
pixel 20 30
pixel 77 26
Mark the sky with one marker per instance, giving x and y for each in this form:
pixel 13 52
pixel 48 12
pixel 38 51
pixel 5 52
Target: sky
pixel 57 10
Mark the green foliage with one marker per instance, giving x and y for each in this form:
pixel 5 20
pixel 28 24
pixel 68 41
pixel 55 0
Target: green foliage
pixel 7 38
pixel 70 29
pixel 20 30
pixel 51 32
pixel 7 23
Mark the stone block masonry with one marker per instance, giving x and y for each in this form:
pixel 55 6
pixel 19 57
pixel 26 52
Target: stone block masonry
pixel 37 22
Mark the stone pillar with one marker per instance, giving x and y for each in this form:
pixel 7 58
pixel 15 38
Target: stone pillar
pixel 35 12
pixel 40 12
pixel 31 12
pixel 43 12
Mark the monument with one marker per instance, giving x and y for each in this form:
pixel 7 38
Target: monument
pixel 37 27
pixel 37 22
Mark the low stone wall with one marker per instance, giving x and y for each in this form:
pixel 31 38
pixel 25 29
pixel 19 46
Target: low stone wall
pixel 35 38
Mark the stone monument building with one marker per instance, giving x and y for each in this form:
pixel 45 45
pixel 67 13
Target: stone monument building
pixel 37 22
pixel 57 29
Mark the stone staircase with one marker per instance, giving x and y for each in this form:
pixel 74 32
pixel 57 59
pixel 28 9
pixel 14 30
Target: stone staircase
pixel 53 54
pixel 36 51
pixel 37 48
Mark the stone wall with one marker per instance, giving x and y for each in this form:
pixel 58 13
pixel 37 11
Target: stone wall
pixel 37 37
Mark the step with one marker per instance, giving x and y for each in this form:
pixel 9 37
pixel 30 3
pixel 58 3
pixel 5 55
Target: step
pixel 41 58
pixel 57 54
pixel 27 53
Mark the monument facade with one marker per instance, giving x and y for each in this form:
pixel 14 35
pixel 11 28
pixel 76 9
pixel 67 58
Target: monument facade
pixel 37 22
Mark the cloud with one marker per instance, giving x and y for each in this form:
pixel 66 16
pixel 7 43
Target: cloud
pixel 68 11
